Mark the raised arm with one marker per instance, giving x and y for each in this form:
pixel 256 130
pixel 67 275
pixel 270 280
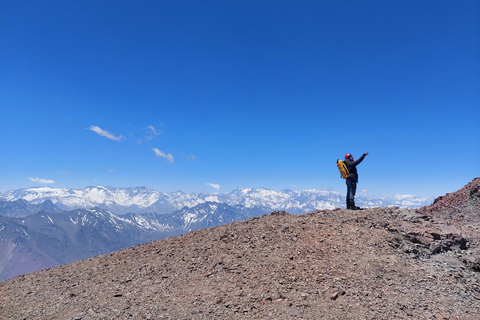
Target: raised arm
pixel 357 162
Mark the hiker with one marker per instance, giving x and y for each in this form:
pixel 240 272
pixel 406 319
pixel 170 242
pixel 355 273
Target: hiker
pixel 352 180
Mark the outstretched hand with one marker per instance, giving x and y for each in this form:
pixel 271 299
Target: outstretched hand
pixel 366 154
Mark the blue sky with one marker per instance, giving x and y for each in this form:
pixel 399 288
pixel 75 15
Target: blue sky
pixel 209 96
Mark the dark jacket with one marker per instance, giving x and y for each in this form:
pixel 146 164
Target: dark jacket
pixel 352 168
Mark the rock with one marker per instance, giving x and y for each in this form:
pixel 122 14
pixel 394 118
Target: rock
pixel 336 292
pixel 435 247
pixel 472 262
pixel 279 213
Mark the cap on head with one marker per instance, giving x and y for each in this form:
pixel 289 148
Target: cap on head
pixel 348 155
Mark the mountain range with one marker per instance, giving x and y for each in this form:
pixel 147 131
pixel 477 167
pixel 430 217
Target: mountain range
pixel 45 227
pixel 143 199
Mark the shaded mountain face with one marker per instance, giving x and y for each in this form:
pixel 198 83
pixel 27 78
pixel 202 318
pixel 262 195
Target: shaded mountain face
pixel 22 208
pixel 381 263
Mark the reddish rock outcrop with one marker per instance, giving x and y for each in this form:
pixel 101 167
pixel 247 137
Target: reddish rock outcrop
pixel 462 206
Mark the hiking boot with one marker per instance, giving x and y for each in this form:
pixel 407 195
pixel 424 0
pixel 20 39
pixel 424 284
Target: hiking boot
pixel 355 207
pixel 351 205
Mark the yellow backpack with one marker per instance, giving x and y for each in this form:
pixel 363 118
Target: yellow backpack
pixel 343 169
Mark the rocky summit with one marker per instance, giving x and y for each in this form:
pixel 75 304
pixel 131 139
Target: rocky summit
pixel 380 263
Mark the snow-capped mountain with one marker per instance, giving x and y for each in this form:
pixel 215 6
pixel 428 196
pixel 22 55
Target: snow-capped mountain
pixel 142 199
pixel 209 214
pixel 296 202
pixel 105 197
pixel 402 201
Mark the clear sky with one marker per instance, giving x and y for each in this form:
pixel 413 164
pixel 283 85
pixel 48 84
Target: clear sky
pixel 209 96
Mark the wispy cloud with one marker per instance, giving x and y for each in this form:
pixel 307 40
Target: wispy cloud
pixel 162 154
pixel 213 185
pixel 152 132
pixel 189 156
pixel 106 134
pixel 38 180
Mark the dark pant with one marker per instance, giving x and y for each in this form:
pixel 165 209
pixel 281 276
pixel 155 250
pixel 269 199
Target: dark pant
pixel 351 189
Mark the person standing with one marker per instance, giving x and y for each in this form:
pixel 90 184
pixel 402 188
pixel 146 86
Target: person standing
pixel 352 180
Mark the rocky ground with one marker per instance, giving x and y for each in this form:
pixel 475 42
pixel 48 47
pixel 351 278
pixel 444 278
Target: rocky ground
pixel 382 263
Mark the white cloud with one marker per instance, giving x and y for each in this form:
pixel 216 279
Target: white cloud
pixel 162 154
pixel 105 133
pixel 214 186
pixel 38 180
pixel 364 190
pixel 153 132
